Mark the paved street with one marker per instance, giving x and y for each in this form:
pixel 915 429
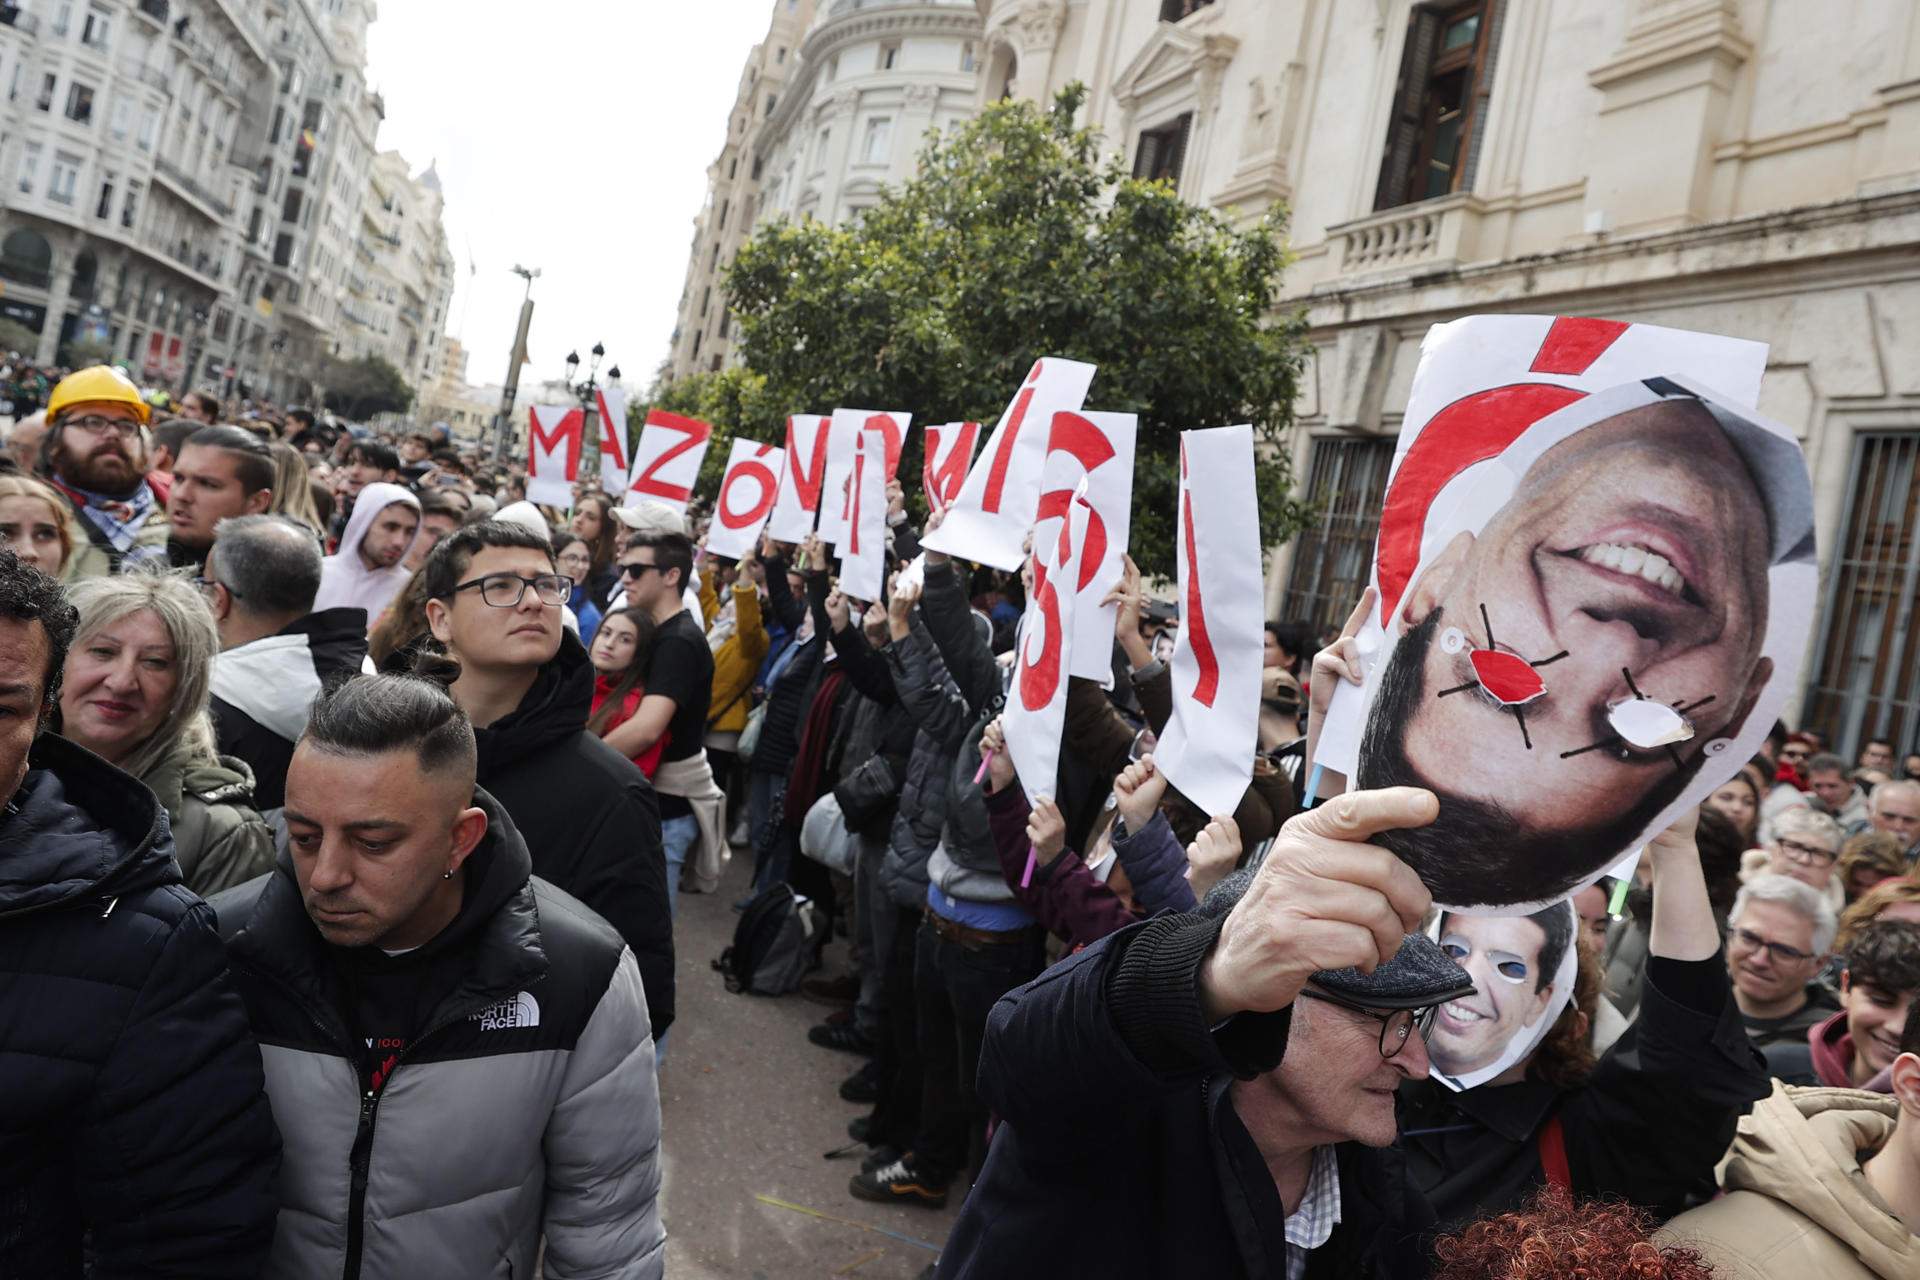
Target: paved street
pixel 750 1107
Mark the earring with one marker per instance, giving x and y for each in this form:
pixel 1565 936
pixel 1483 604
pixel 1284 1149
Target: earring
pixel 447 876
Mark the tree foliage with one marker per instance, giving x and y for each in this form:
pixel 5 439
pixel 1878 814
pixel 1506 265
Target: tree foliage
pixel 1017 238
pixel 15 336
pixel 359 389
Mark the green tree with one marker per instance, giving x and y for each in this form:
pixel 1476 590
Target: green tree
pixel 359 389
pixel 15 336
pixel 1017 238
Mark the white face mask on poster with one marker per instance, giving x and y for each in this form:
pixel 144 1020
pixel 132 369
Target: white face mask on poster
pixel 1477 1037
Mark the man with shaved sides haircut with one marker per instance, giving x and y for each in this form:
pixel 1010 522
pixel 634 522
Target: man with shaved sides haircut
pixel 413 976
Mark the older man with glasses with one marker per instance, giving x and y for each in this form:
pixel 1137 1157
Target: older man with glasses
pixel 96 451
pixel 1806 845
pixel 1779 933
pixel 1895 809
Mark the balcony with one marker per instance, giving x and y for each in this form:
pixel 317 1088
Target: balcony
pixel 1416 239
pixel 146 75
pixel 152 10
pixel 177 178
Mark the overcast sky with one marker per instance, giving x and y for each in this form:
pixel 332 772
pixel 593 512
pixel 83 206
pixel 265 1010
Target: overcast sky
pixel 572 136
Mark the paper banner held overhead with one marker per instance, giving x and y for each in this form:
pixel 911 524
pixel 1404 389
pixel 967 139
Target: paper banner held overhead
pixel 1208 748
pixel 553 453
pixel 863 551
pixel 989 521
pixel 797 509
pixel 1481 382
pixel 947 455
pixel 746 498
pixel 614 465
pixel 1090 453
pixel 1036 709
pixel 843 440
pixel 667 459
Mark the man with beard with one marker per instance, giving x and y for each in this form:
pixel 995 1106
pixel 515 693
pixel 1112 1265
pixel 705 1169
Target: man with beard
pixel 97 456
pixel 222 473
pixel 370 567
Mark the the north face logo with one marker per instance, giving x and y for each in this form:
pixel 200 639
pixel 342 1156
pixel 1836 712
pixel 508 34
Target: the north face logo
pixel 520 1011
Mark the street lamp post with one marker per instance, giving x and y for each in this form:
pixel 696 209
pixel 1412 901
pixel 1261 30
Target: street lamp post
pixel 503 419
pixel 587 392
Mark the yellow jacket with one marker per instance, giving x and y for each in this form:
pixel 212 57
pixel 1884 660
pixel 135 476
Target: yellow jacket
pixel 738 659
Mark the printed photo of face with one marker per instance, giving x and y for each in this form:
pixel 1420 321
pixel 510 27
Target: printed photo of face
pixel 1513 961
pixel 1630 566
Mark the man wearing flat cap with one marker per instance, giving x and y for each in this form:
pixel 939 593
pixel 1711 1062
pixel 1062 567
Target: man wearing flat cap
pixel 1209 1094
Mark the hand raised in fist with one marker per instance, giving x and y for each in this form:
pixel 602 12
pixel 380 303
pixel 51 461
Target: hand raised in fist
pixel 1138 790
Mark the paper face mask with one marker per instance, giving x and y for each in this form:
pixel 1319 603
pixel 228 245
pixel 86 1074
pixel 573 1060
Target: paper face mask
pixel 1523 971
pixel 1606 631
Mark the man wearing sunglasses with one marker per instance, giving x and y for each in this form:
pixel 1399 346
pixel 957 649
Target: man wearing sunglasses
pixel 589 817
pixel 1222 1085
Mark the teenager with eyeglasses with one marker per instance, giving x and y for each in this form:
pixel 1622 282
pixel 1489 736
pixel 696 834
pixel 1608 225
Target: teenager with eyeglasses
pixel 591 820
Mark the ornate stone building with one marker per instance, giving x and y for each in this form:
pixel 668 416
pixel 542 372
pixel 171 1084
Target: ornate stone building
pixel 1734 166
pixel 833 106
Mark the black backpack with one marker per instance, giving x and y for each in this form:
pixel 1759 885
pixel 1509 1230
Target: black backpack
pixel 773 944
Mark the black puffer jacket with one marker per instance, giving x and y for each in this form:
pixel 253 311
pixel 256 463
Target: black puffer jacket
pixel 590 818
pixel 789 696
pixel 941 718
pixel 132 1105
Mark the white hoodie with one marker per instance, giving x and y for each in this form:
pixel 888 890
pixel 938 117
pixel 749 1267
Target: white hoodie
pixel 345 580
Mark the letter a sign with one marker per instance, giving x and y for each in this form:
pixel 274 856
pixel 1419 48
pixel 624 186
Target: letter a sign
pixel 1207 750
pixel 746 498
pixel 612 404
pixel 667 460
pixel 553 453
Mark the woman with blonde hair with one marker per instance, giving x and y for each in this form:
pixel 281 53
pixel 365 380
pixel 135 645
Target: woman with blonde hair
pixel 135 694
pixel 293 487
pixel 33 524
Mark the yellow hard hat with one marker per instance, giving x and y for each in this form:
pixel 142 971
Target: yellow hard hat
pixel 102 382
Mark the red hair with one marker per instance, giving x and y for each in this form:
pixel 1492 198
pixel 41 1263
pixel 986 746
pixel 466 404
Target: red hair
pixel 1552 1238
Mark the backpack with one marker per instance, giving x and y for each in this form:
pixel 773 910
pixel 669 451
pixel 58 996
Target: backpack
pixel 773 944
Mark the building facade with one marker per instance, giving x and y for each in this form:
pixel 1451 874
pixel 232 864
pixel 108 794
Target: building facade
pixel 118 191
pixel 401 280
pixel 1731 166
pixel 834 105
pixel 181 187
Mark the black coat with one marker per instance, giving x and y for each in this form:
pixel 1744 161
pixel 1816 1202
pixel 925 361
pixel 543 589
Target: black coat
pixel 1117 1154
pixel 132 1104
pixel 589 817
pixel 788 698
pixel 1647 1127
pixel 277 684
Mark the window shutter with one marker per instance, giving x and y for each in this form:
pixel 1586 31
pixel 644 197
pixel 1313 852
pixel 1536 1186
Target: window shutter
pixel 1403 127
pixel 1177 148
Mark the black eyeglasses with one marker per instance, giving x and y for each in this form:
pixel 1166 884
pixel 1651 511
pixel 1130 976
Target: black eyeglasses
pixel 505 590
pixel 206 586
pixel 1805 854
pixel 636 571
pixel 1396 1025
pixel 1778 952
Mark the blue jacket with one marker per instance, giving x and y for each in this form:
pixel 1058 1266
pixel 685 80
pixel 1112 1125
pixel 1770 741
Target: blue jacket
pixel 132 1106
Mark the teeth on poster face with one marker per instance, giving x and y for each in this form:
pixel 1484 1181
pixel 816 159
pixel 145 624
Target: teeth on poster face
pixel 1648 724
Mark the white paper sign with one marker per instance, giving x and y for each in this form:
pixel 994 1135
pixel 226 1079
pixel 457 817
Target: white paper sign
pixel 747 493
pixel 1481 382
pixel 948 454
pixel 843 442
pixel 863 552
pixel 990 519
pixel 797 508
pixel 614 467
pixel 1207 750
pixel 1096 448
pixel 666 461
pixel 1036 711
pixel 553 453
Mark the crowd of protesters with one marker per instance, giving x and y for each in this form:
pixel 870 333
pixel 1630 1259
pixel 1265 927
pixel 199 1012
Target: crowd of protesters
pixel 352 795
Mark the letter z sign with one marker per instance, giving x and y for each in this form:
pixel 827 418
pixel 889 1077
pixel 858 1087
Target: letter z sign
pixel 667 460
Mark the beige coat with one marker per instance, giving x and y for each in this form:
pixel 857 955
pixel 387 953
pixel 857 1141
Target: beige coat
pixel 1797 1204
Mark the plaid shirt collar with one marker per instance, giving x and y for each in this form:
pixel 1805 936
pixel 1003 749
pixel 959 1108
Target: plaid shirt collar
pixel 1312 1223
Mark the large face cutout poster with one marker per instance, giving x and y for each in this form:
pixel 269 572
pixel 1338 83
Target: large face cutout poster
pixel 1522 968
pixel 1591 610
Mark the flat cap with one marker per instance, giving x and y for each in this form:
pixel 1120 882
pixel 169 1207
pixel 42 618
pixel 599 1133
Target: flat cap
pixel 1419 975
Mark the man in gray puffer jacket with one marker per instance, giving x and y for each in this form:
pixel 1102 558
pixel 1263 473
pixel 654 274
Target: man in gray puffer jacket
pixel 460 1060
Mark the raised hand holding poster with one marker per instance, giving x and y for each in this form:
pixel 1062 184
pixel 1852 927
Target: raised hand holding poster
pixel 746 497
pixel 553 453
pixel 667 459
pixel 797 509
